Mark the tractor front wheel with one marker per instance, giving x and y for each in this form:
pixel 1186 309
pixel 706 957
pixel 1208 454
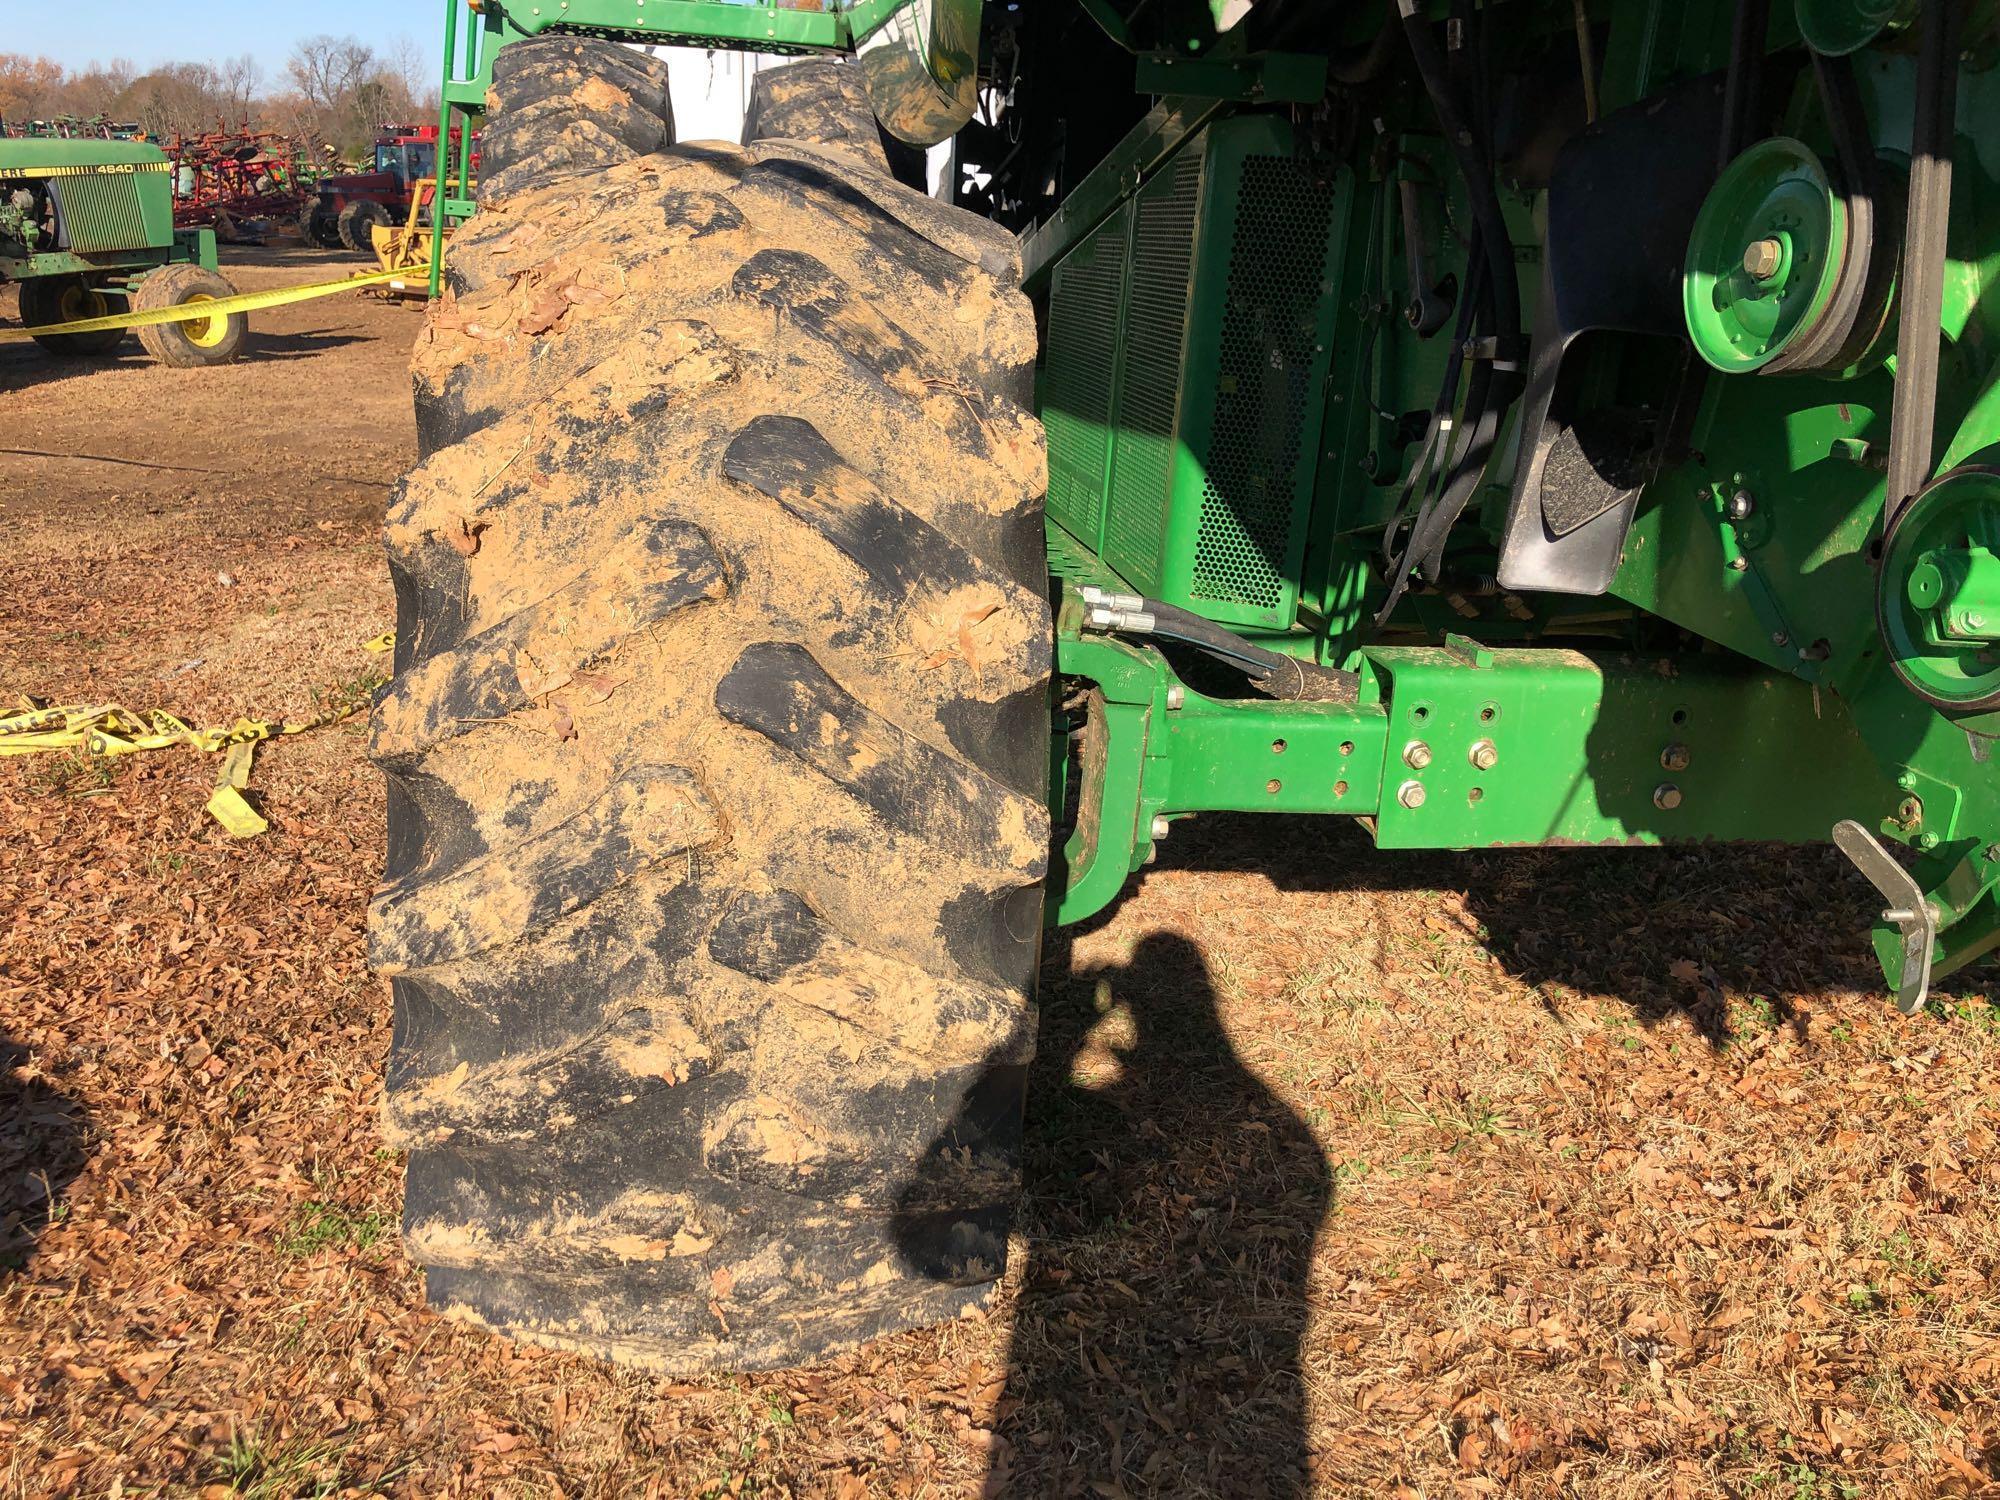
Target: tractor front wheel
pixel 717 748
pixel 316 226
pixel 47 300
pixel 357 219
pixel 198 341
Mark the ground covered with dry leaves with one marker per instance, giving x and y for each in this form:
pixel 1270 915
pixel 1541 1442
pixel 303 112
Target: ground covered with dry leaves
pixel 1576 1173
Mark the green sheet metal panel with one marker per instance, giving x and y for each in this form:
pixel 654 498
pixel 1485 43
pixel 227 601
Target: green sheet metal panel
pixel 100 213
pixel 110 195
pixel 1080 377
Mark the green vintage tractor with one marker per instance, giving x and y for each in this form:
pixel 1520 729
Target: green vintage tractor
pixel 1522 424
pixel 87 231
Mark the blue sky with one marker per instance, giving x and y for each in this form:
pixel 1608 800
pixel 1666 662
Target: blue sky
pixel 708 90
pixel 79 32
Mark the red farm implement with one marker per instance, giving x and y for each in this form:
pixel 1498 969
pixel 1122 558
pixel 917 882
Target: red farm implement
pixel 225 177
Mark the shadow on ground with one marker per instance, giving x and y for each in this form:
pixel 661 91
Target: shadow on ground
pixel 1172 1200
pixel 25 365
pixel 1171 1207
pixel 41 1152
pixel 1665 931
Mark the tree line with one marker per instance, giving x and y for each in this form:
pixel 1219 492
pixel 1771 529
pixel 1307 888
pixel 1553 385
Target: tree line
pixel 333 91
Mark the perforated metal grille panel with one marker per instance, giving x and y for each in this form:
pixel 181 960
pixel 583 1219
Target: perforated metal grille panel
pixel 1263 385
pixel 1162 247
pixel 1083 333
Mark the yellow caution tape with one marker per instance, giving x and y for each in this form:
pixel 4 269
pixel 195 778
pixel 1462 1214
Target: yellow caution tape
pixel 227 804
pixel 107 729
pixel 188 312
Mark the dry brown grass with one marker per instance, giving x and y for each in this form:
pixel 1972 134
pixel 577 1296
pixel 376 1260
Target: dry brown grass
pixel 1549 1174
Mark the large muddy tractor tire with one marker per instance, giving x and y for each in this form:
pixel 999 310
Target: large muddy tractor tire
pixel 817 99
pixel 198 341
pixel 822 100
pixel 563 105
pixel 716 756
pixel 69 299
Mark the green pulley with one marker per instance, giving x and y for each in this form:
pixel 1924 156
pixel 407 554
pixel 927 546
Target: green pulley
pixel 1835 28
pixel 1938 596
pixel 1765 256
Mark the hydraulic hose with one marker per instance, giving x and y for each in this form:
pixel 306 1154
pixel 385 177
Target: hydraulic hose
pixel 1460 447
pixel 1496 378
pixel 1367 65
pixel 1478 174
pixel 1417 484
pixel 1280 676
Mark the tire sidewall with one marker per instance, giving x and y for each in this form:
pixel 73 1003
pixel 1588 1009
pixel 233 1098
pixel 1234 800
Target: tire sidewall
pixel 355 221
pixel 171 343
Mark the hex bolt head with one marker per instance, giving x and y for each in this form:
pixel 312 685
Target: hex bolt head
pixel 1674 758
pixel 1666 796
pixel 1761 258
pixel 1416 755
pixel 1484 755
pixel 1411 794
pixel 1739 564
pixel 1927 841
pixel 1162 825
pixel 1742 506
pixel 1176 696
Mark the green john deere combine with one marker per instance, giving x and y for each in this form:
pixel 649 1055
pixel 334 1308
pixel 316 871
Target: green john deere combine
pixel 87 230
pixel 1505 424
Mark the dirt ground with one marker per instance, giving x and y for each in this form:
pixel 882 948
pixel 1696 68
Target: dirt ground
pixel 1374 1174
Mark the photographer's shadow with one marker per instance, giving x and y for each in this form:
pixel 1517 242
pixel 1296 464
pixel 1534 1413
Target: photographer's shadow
pixel 1172 1201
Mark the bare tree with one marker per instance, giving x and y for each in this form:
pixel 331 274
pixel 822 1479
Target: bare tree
pixel 413 70
pixel 327 69
pixel 335 92
pixel 239 80
pixel 183 98
pixel 97 87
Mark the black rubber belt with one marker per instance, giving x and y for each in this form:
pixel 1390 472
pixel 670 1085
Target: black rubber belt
pixel 1859 306
pixel 1913 417
pixel 1743 93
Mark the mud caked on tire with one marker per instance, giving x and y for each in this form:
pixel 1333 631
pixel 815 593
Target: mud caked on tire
pixel 822 100
pixel 716 753
pixel 559 106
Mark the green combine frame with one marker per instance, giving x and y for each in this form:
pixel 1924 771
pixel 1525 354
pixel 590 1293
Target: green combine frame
pixel 1525 425
pixel 1238 458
